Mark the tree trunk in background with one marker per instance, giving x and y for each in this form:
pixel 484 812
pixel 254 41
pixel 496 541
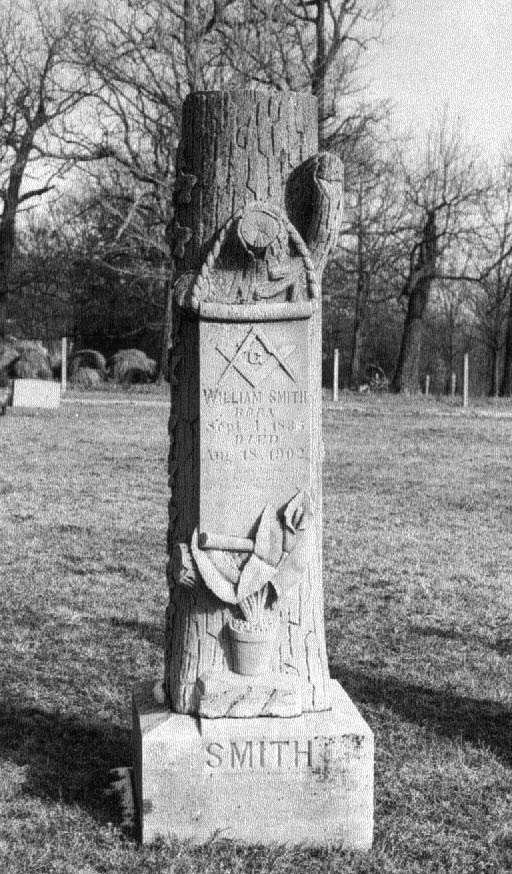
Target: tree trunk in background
pixel 506 380
pixel 3 310
pixel 362 294
pixel 7 226
pixel 11 200
pixel 355 357
pixel 495 373
pixel 319 72
pixel 163 364
pixel 356 376
pixel 417 290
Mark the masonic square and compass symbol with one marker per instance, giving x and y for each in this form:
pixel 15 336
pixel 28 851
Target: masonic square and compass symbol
pixel 256 358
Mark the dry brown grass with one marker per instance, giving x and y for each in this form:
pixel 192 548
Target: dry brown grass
pixel 418 560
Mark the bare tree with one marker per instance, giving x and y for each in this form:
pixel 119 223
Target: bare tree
pixel 316 45
pixel 372 245
pixel 505 272
pixel 442 191
pixel 144 56
pixel 506 381
pixel 41 89
pixel 452 322
pixel 43 289
pixel 490 296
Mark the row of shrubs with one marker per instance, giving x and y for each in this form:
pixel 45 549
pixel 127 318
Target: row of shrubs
pixel 29 359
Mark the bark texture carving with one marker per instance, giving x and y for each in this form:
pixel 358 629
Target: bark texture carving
pixel 257 211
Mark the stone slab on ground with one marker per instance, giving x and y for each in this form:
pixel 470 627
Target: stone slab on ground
pixel 36 393
pixel 303 779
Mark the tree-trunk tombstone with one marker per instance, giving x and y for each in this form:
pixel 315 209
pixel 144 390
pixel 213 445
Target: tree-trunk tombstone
pixel 248 736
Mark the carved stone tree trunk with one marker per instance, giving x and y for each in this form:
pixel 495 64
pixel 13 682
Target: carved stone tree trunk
pixel 257 211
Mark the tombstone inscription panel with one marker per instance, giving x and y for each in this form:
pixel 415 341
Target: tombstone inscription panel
pixel 255 415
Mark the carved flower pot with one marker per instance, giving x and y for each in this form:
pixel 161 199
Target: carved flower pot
pixel 252 645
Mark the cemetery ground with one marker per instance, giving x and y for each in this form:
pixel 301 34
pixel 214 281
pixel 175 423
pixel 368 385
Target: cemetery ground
pixel 417 568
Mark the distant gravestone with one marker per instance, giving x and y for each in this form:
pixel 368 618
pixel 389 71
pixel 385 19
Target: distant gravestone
pixel 43 393
pixel 248 737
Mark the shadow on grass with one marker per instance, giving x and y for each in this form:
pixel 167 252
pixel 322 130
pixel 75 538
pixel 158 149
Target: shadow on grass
pixel 68 759
pixel 502 645
pixel 145 630
pixel 481 722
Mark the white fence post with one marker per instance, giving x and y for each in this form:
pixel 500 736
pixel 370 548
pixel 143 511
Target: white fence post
pixel 453 384
pixel 427 385
pixel 465 387
pixel 335 375
pixel 64 365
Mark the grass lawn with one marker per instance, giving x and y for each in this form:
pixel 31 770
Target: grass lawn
pixel 417 569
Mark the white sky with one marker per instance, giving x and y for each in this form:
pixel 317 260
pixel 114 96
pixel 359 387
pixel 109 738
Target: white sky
pixel 449 52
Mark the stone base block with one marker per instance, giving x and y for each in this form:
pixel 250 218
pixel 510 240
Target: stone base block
pixel 303 779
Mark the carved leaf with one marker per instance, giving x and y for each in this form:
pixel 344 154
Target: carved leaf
pixel 225 564
pixel 289 572
pixel 268 544
pixel 255 575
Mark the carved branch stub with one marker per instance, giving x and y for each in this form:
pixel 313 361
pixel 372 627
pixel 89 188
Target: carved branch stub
pixel 257 211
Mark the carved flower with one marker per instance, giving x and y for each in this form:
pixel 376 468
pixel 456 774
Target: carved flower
pixel 297 512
